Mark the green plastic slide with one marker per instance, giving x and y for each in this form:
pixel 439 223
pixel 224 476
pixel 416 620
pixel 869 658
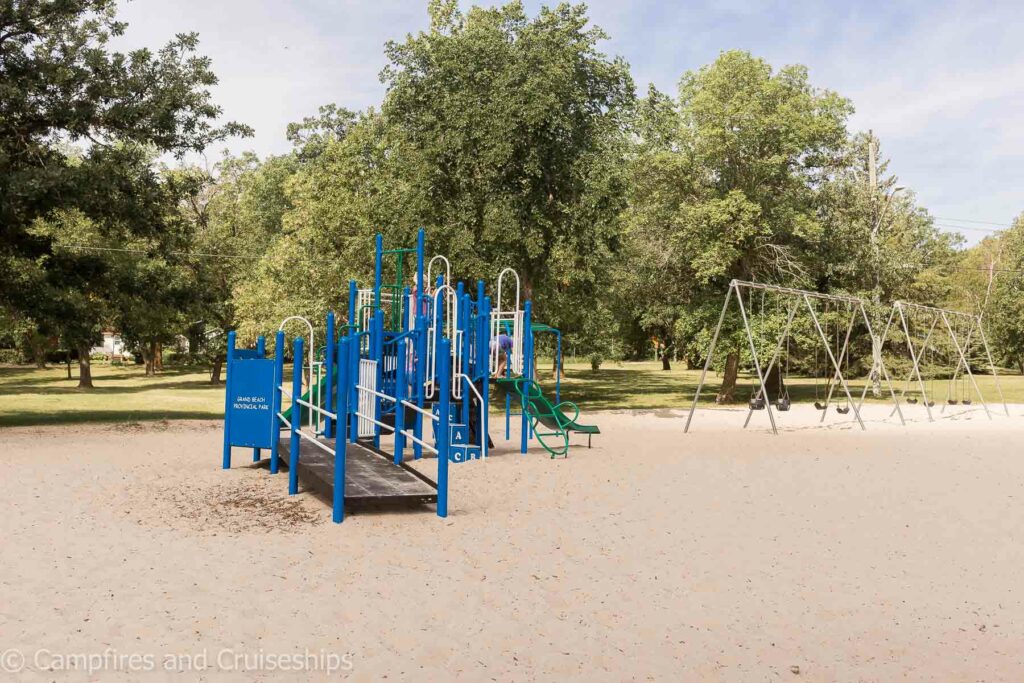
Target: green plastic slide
pixel 551 424
pixel 319 391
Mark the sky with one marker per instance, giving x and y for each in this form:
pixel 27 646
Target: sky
pixel 940 83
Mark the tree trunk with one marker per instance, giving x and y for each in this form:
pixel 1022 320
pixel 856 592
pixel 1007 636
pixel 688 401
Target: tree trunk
pixel 666 363
pixel 876 366
pixel 556 371
pixel 68 359
pixel 84 368
pixel 195 344
pixel 218 363
pixel 774 383
pixel 158 357
pixel 1020 364
pixel 37 342
pixel 148 356
pixel 727 393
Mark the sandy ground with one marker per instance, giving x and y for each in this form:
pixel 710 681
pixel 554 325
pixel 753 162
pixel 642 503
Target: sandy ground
pixel 821 554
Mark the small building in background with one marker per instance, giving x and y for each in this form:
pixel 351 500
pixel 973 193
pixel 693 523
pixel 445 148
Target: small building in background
pixel 112 347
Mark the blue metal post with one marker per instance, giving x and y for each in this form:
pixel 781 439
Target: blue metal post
pixel 444 359
pixel 483 355
pixel 226 464
pixel 353 314
pixel 340 445
pixel 377 346
pixel 296 419
pixel 353 393
pixel 378 270
pixel 421 378
pixel 406 295
pixel 330 381
pixel 465 307
pixel 401 388
pixel 278 381
pixel 420 252
pixel 527 372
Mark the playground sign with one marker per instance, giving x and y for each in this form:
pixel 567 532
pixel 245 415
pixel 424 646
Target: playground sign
pixel 251 403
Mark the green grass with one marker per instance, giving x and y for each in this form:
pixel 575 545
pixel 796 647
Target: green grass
pixel 124 394
pixel 645 386
pixel 29 396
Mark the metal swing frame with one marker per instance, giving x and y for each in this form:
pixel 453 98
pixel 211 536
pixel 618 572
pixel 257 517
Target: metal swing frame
pixel 800 297
pixel 943 315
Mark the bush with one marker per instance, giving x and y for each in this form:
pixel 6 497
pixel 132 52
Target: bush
pixel 177 358
pixel 59 356
pixel 99 356
pixel 11 357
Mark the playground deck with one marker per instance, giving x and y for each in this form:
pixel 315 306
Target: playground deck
pixel 371 478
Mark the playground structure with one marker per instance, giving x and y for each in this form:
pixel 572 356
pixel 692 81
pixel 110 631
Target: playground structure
pixel 407 376
pixel 848 310
pixel 952 341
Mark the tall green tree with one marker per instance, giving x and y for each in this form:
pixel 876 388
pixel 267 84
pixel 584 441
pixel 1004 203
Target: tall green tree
pixel 238 217
pixel 727 183
pixel 511 128
pixel 62 85
pixel 1000 265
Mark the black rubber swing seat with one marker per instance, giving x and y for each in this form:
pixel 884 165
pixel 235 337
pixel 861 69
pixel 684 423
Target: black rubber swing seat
pixel 842 410
pixel 783 404
pixel 966 401
pixel 912 401
pixel 757 403
pixel 820 406
pixel 952 402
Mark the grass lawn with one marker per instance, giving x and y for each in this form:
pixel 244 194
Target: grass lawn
pixel 123 393
pixel 644 385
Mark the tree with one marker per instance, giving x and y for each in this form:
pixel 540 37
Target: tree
pixel 727 183
pixel 63 86
pixel 511 131
pixel 327 206
pixel 237 219
pixel 877 243
pixel 1005 300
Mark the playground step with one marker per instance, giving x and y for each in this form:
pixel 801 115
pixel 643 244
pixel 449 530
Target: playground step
pixel 463 453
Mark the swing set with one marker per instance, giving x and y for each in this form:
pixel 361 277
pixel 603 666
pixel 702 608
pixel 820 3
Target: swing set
pixel 821 310
pixel 948 340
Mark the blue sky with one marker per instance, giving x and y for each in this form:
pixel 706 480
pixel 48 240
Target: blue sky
pixel 941 83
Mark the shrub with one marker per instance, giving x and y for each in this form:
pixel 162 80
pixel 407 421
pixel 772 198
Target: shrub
pixel 11 357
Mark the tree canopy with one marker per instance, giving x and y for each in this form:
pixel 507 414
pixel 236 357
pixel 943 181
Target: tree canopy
pixel 510 137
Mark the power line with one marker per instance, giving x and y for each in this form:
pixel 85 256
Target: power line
pixel 144 252
pixel 969 220
pixel 990 231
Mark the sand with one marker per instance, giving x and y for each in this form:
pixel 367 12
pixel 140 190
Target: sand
pixel 820 554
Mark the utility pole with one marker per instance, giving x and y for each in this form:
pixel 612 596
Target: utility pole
pixel 876 295
pixel 872 163
pixel 878 210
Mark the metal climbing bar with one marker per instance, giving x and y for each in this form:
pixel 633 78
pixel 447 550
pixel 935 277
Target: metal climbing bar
pixel 412 437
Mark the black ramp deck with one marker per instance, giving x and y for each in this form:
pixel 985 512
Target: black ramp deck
pixel 371 478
